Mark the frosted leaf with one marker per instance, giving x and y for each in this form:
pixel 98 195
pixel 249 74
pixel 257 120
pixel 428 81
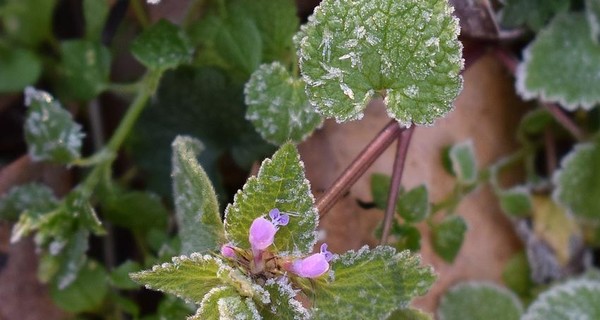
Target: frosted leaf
pixel 577 182
pixel 575 299
pixel 592 11
pixel 277 105
pixel 572 80
pixel 50 131
pixel 196 206
pixel 283 305
pixel 464 164
pixel 162 46
pixel 85 68
pixel 479 300
pixel 531 13
pixel 409 314
pixel 407 51
pixel 153 1
pixel 516 201
pixel 370 284
pixel 30 197
pixel 188 277
pixel 280 184
pixel 237 308
pixel 209 308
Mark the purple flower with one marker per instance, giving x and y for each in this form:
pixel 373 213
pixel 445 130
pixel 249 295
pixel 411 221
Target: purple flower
pixel 314 265
pixel 262 233
pixel 227 251
pixel 278 218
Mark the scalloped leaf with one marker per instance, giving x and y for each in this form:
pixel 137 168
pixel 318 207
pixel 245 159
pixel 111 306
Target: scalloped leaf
pixel 562 64
pixel 532 13
pixel 283 305
pixel 31 197
pixel 162 46
pixel 447 237
pixel 189 278
pixel 209 307
pixel 578 182
pixel 278 106
pixel 592 12
pixel 407 51
pixel 85 68
pixel 370 284
pixel 196 205
pixel 479 301
pixel 281 184
pixel 50 131
pixel 578 299
pixel 464 163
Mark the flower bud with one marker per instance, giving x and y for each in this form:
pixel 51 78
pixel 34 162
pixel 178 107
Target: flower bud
pixel 227 251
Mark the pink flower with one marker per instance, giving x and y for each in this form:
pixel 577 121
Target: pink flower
pixel 314 265
pixel 227 251
pixel 262 233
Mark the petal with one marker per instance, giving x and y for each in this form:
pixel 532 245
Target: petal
pixel 227 251
pixel 262 233
pixel 311 267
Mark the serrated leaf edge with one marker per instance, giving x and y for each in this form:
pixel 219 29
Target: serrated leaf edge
pixel 568 288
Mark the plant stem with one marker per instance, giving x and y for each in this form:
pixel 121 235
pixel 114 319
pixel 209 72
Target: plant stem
pixel 358 167
pixel 140 13
pixel 404 139
pixel 510 63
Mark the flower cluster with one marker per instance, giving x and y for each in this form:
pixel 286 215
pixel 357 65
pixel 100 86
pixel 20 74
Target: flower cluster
pixel 262 235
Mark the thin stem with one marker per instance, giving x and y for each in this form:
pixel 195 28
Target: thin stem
pixel 550 147
pixel 140 13
pixel 404 139
pixel 511 63
pixel 358 167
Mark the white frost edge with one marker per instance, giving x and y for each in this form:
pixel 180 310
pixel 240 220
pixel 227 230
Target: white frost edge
pixel 569 288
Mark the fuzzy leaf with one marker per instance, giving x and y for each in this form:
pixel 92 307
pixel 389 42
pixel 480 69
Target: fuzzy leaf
pixel 578 182
pixel 31 197
pixel 280 184
pixel 283 305
pixel 479 301
pixel 592 11
pixel 370 284
pixel 278 106
pixel 380 186
pixel 197 209
pixel 447 237
pixel 572 79
pixel 50 131
pixel 209 307
pixel 516 201
pixel 413 205
pixel 27 21
pixel 575 299
pixel 85 68
pixel 189 278
pixel 405 50
pixel 531 13
pixel 20 68
pixel 86 293
pixel 464 164
pixel 95 13
pixel 162 46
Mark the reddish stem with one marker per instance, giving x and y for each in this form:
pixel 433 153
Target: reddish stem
pixel 401 152
pixel 358 167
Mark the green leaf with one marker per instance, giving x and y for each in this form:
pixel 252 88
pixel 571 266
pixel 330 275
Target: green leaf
pixel 162 46
pixel 409 314
pixel 50 131
pixel 592 11
pixel 189 278
pixel 235 307
pixel 413 205
pixel 28 21
pixel 31 197
pixel 479 301
pixel 406 237
pixel 380 186
pixel 531 13
pixel 20 68
pixel 567 47
pixel 370 284
pixel 578 182
pixel 447 237
pixel 195 102
pixel 516 201
pixel 70 258
pixel 210 305
pixel 95 13
pixel 197 209
pixel 136 210
pixel 283 304
pixel 535 121
pixel 86 293
pixel 119 277
pixel 517 275
pixel 85 68
pixel 280 184
pixel 407 51
pixel 574 299
pixel 278 107
pixel 464 164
